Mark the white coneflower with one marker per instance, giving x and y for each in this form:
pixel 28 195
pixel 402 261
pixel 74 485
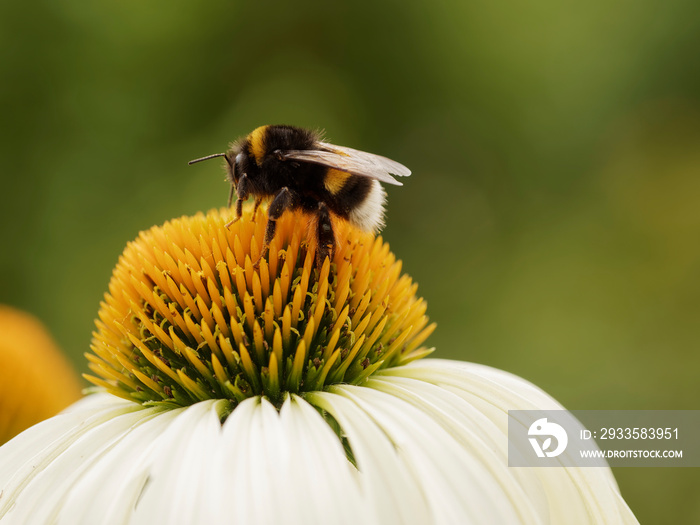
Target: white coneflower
pixel 282 394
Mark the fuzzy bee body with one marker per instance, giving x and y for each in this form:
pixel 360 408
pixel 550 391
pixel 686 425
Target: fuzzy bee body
pixel 295 169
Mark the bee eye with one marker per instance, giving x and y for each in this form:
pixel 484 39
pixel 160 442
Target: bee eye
pixel 239 158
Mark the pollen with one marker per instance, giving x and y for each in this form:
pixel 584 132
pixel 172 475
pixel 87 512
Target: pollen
pixel 188 316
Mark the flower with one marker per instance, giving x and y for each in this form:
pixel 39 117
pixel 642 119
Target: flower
pixel 36 381
pixel 284 394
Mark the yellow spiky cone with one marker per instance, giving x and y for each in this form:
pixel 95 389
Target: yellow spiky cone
pixel 189 318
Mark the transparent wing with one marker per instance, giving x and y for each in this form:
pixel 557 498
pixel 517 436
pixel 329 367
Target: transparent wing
pixel 351 160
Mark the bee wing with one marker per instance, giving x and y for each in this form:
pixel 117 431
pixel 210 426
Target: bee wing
pixel 352 161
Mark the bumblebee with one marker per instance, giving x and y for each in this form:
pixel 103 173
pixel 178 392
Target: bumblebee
pixel 294 169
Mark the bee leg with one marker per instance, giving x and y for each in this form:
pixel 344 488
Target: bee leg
pixel 325 238
pixel 242 192
pixel 283 201
pixel 258 200
pixel 231 191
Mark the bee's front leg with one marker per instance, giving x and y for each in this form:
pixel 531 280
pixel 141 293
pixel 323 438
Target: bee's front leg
pixel 242 191
pixel 283 200
pixel 231 192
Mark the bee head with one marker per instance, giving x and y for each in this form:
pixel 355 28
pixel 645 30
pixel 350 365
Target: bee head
pixel 234 170
pixel 233 166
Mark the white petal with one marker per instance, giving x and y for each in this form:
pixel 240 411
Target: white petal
pixel 390 489
pixel 178 486
pixel 429 441
pixel 40 466
pixel 456 485
pixel 48 438
pixel 574 495
pixel 286 467
pixel 113 482
pixel 320 456
pixel 477 434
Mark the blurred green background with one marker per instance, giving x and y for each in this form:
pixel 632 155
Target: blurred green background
pixel 552 220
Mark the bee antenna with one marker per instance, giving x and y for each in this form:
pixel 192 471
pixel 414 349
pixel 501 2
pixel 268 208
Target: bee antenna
pixel 208 157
